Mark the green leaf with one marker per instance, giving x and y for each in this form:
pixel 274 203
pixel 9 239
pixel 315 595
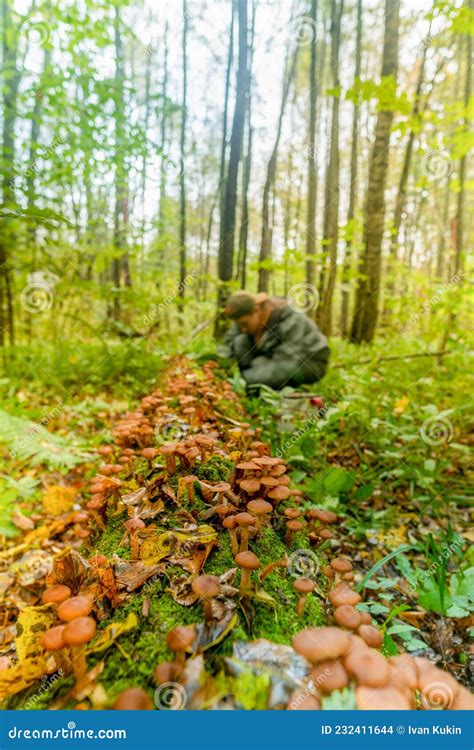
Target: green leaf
pixel 381 563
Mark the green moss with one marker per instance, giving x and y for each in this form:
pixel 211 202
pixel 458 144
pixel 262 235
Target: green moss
pixel 216 469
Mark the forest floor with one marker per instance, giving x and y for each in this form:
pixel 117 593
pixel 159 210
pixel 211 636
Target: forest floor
pixel 391 463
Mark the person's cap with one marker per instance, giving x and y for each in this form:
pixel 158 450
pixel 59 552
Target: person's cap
pixel 239 304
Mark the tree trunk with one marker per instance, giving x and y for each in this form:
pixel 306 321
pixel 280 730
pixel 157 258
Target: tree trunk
pixel 120 209
pixel 267 226
pixel 226 247
pixel 182 181
pixel 311 204
pixel 331 207
pixel 222 167
pixel 347 264
pixel 368 289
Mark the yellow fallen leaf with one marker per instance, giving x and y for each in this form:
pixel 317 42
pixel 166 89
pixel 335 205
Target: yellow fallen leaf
pixel 108 635
pixel 31 665
pixel 58 499
pixel 156 544
pixel 401 405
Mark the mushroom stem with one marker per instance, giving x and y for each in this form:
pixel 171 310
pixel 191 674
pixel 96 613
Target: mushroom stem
pixel 300 604
pixel 234 542
pixel 244 538
pixel 134 545
pixel 269 567
pixel 244 580
pixel 79 663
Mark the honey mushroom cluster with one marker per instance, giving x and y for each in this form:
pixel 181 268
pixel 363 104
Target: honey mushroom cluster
pixel 67 640
pixel 338 659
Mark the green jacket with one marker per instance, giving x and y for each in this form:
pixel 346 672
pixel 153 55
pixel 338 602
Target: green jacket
pixel 292 351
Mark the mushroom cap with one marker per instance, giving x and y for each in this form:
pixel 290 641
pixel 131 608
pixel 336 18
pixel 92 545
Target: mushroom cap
pixel 324 533
pixel 294 525
pixel 292 513
pixel 321 644
pixel 133 699
pixel 250 486
pixel 52 639
pixel 206 586
pixel 341 565
pixel 382 699
pixel 329 676
pixel 259 507
pixel 105 450
pixel 248 466
pixel 348 617
pixel 181 637
pixel 370 635
pixel 438 689
pixel 303 585
pixel 149 453
pixel 366 618
pixel 98 560
pixel 134 524
pixel 404 671
pixel 220 486
pixel 278 471
pixel 279 493
pixel 324 516
pixel 229 522
pixel 368 667
pixel 247 560
pixel 244 519
pixel 76 606
pixel 343 594
pixel 463 700
pixel 270 481
pixel 267 461
pixel 56 594
pixel 79 631
pixel 301 700
pixel 167 671
pixel 328 571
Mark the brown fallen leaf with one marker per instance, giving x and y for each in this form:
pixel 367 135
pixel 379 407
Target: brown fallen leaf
pixel 22 522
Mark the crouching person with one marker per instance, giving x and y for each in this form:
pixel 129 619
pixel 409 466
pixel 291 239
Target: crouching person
pixel 273 344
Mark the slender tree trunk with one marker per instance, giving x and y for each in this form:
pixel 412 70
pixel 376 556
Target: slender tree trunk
pixel 331 208
pixel 312 185
pixel 182 180
pixel 222 167
pixel 267 226
pixel 226 247
pixel 368 289
pixel 163 134
pixel 244 224
pixel 351 212
pixel 120 175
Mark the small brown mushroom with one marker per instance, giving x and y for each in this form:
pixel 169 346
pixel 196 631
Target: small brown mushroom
pixel 247 562
pixel 343 594
pixel 301 700
pixel 349 617
pixel 370 635
pixel 230 524
pixel 341 565
pixel 260 509
pixel 56 594
pixel 133 699
pixel 76 634
pixel 244 520
pixel 133 525
pixel 382 699
pixel 303 586
pixel 321 644
pixel 368 667
pixel 329 676
pixel 168 671
pixel 250 486
pixel 169 452
pixel 292 527
pixel 52 639
pixel 206 587
pixel 180 639
pixel 76 606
